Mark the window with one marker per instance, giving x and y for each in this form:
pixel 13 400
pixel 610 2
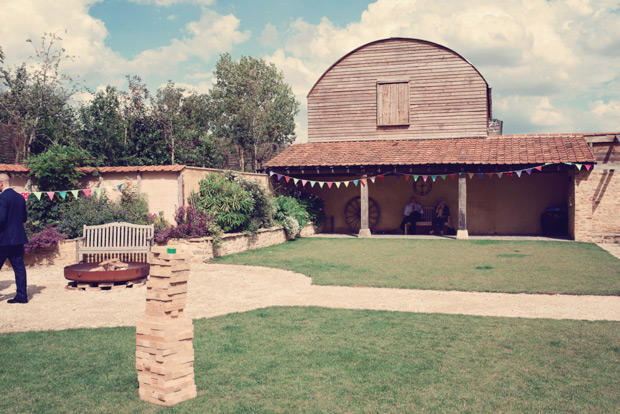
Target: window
pixel 392 103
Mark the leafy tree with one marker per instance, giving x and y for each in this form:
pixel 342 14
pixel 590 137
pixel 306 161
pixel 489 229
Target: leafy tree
pixel 103 127
pixel 167 110
pixel 253 107
pixel 35 100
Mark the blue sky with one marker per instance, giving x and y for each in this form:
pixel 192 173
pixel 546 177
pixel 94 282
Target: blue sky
pixel 554 65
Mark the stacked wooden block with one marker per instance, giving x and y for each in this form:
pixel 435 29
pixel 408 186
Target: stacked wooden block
pixel 164 349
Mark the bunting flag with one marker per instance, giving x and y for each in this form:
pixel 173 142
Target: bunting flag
pixel 25 195
pixel 86 192
pixel 37 194
pixel 364 181
pixel 75 193
pixel 63 194
pixel 50 194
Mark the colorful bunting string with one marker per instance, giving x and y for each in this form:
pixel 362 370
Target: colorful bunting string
pixel 63 194
pixel 364 181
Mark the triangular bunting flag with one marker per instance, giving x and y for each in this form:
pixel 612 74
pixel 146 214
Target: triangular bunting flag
pixel 578 166
pixel 539 168
pixel 443 177
pixel 588 166
pixel 329 185
pixel 278 177
pixel 480 175
pixel 75 193
pixel 287 178
pixel 337 184
pixel 63 194
pixel 50 194
pixel 372 179
pixel 509 174
pixel 271 173
pixel 452 176
pixel 548 163
pixel 295 180
pixel 568 163
pixel 355 182
pixel 499 174
pixel 407 177
pixel 346 183
pixel 312 183
pixel 382 176
pixel 519 173
pixel 490 175
pixel 471 175
pixel 303 183
pixel 397 176
pixel 433 177
pixel 424 177
pixel 86 192
pixel 38 195
pixel 415 177
pixel 363 180
pixel 25 195
pixel 529 171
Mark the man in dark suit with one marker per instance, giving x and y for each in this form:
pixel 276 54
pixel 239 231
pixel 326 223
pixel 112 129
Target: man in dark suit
pixel 13 236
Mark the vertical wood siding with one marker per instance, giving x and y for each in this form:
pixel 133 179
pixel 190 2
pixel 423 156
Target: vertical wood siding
pixel 447 96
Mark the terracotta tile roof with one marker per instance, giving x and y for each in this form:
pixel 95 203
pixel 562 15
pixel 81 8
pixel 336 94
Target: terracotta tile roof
pixel 14 168
pixel 141 168
pixel 493 150
pixel 168 168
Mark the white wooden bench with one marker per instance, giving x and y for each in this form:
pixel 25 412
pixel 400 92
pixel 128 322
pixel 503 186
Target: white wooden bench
pixel 129 242
pixel 427 218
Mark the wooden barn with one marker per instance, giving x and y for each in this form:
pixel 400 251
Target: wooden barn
pixel 402 117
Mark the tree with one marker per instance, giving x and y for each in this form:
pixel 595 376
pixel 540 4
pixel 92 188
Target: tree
pixel 103 128
pixel 253 107
pixel 35 98
pixel 167 109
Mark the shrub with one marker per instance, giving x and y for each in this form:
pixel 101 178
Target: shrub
pixel 190 224
pixel 287 208
pixel 48 237
pixel 226 200
pixel 264 209
pixel 291 227
pixel 84 211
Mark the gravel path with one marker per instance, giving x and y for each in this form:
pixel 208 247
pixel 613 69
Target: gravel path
pixel 216 289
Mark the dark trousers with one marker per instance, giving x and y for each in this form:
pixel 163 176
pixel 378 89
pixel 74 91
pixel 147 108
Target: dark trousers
pixel 412 218
pixel 15 254
pixel 439 223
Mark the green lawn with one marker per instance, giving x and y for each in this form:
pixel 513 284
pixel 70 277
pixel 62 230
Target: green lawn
pixel 285 360
pixel 445 264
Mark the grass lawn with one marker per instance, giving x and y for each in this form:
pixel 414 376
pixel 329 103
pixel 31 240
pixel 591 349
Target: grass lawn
pixel 284 360
pixel 445 264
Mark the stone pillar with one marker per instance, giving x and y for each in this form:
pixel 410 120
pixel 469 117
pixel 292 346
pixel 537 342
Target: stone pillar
pixel 164 348
pixel 462 232
pixel 364 227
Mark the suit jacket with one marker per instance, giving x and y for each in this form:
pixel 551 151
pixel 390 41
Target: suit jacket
pixel 12 218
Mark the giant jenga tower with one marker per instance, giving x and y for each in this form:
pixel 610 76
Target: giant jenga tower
pixel 164 349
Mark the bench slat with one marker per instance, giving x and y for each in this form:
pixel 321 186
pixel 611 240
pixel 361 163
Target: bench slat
pixel 129 240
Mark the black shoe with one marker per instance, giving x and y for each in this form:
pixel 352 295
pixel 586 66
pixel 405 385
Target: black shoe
pixel 17 301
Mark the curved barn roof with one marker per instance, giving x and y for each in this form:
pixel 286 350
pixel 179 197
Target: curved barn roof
pixel 391 39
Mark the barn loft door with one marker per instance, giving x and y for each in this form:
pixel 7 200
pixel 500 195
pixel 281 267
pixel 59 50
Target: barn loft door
pixel 392 103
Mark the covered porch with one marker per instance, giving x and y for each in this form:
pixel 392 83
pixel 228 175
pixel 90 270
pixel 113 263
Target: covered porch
pixel 495 186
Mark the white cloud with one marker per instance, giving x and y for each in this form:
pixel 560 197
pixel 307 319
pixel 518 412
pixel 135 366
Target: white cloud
pixel 539 56
pixel 168 3
pixel 270 36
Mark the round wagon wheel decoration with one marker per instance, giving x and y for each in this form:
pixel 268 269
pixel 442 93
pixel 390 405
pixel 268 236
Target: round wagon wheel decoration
pixel 421 187
pixel 352 213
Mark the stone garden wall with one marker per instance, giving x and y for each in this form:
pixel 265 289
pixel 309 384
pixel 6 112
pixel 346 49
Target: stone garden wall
pixel 201 249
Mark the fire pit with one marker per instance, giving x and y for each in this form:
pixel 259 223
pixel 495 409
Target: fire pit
pixel 93 275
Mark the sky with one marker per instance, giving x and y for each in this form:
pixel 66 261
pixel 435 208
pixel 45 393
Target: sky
pixel 553 65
